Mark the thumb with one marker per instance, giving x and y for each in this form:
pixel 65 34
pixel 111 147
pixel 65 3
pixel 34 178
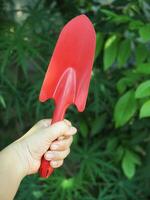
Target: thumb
pixel 61 128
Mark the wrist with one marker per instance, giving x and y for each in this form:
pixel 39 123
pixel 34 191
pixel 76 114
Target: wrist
pixel 12 171
pixel 14 159
pixel 19 151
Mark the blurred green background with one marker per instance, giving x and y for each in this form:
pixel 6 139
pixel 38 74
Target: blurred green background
pixel 110 156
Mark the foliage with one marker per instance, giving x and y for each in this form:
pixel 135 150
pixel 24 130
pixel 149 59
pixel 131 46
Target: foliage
pixel 110 157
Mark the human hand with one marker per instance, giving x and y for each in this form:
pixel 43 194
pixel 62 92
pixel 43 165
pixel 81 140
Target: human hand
pixel 23 156
pixel 41 140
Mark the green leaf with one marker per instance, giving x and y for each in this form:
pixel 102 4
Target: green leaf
pixel 83 128
pixel 145 110
pixel 106 2
pixel 145 32
pixel 123 83
pixel 124 52
pixel 144 68
pixel 118 19
pixel 98 124
pixel 109 13
pixel 128 164
pixel 37 194
pixel 131 77
pixel 135 158
pixel 135 24
pixel 110 51
pixel 6 58
pixel 141 53
pixel 125 108
pixel 119 153
pixel 2 101
pixel 143 90
pixel 99 43
pixel 112 144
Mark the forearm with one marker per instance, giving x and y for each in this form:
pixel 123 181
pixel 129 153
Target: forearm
pixel 11 172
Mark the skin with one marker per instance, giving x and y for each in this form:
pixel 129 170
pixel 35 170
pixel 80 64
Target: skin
pixel 23 157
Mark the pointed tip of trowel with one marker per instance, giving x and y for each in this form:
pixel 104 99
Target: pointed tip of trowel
pixel 84 19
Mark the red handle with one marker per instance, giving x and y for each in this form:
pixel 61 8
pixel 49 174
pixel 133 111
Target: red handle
pixel 45 169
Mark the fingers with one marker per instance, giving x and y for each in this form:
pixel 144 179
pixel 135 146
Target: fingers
pixel 60 148
pixel 61 145
pixel 69 124
pixel 59 129
pixel 56 164
pixel 56 155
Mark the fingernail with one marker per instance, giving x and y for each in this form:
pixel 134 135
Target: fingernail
pixel 54 146
pixel 73 130
pixel 49 155
pixel 54 163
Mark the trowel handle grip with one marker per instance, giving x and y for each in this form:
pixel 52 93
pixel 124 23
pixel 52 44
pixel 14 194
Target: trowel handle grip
pixel 45 169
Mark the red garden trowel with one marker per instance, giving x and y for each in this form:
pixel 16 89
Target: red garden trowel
pixel 68 75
